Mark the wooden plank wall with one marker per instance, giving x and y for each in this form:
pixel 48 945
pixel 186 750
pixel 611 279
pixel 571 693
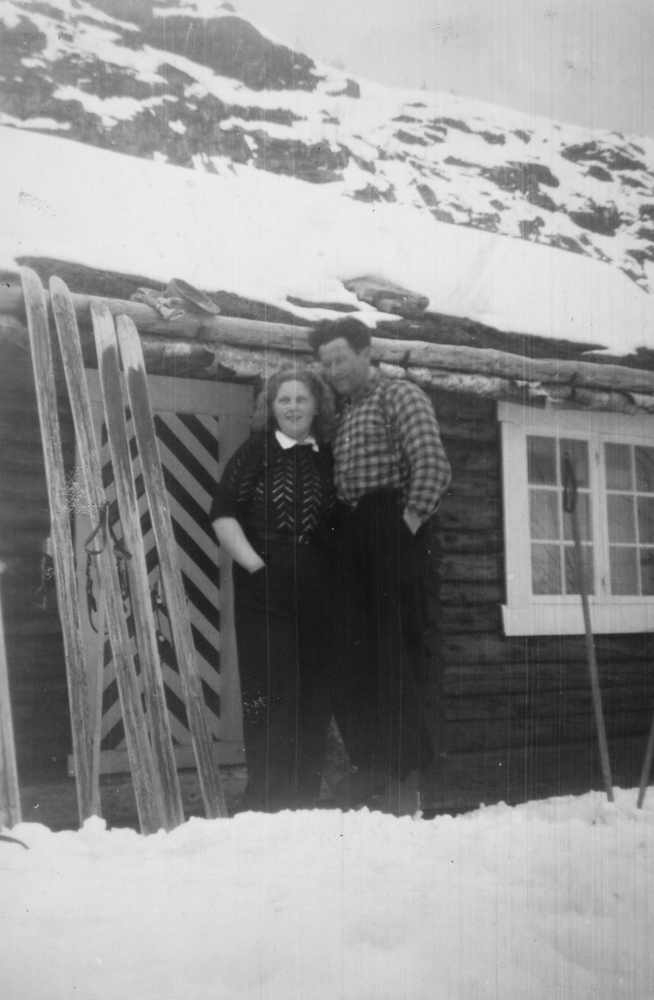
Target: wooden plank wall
pixel 520 702
pixel 33 635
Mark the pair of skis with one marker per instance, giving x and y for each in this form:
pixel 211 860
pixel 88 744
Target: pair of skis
pixel 147 729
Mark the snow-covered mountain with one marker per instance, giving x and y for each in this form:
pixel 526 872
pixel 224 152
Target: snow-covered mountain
pixel 193 84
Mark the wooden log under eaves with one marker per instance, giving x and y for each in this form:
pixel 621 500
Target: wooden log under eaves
pixel 487 364
pixel 199 360
pixel 481 365
pixel 186 328
pixel 198 345
pixel 599 399
pixel 519 391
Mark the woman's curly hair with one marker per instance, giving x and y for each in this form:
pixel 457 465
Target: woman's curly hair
pixel 325 418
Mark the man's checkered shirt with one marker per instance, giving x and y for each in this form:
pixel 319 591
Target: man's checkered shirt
pixel 389 439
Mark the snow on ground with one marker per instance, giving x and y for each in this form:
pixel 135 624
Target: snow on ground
pixel 266 237
pixel 543 900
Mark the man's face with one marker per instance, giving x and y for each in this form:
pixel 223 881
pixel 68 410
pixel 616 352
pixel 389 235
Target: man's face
pixel 347 370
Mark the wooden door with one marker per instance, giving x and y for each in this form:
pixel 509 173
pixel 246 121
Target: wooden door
pixel 198 424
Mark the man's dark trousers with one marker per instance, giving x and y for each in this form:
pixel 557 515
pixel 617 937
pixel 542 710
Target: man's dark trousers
pixel 381 636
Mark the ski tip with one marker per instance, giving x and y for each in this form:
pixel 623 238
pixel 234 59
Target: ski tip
pixel 33 294
pixel 101 309
pixel 125 324
pixel 104 330
pixel 6 839
pixel 60 297
pixel 58 286
pixel 30 279
pixel 129 342
pixel 28 272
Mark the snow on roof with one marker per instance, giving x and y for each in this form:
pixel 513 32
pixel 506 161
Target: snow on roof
pixel 267 237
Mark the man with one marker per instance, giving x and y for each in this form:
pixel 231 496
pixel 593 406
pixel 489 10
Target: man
pixel 390 472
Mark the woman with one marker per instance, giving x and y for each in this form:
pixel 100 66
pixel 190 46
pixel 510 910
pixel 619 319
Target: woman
pixel 270 514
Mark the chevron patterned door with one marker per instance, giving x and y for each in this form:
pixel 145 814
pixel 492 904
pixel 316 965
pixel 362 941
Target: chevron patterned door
pixel 198 424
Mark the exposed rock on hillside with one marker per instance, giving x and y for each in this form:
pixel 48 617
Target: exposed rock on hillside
pixel 191 83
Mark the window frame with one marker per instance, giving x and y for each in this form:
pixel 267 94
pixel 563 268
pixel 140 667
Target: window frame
pixel 525 613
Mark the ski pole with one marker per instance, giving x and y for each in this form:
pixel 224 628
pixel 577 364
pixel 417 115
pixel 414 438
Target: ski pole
pixel 570 507
pixel 647 767
pixel 10 809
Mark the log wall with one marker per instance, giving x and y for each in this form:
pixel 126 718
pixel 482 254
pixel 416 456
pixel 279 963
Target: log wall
pixel 33 635
pixel 510 697
pixel 493 699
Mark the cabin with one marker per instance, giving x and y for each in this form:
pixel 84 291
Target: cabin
pixel 508 692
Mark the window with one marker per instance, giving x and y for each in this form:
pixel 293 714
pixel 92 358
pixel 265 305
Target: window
pixel 612 457
pixel 630 517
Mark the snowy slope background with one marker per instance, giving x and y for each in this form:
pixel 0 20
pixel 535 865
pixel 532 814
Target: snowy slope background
pixel 196 85
pixel 418 179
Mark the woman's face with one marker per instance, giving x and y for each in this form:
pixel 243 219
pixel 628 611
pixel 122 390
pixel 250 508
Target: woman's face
pixel 294 409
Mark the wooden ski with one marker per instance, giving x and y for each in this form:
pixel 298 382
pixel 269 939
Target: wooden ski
pixel 84 745
pixel 147 785
pixel 139 586
pixel 10 812
pixel 178 613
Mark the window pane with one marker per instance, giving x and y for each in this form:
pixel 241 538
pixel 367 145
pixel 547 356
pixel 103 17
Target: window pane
pixel 618 467
pixel 541 459
pixel 624 571
pixel 544 514
pixel 583 515
pixel 577 452
pixel 546 569
pixel 646 520
pixel 647 571
pixel 571 569
pixel 645 469
pixel 622 522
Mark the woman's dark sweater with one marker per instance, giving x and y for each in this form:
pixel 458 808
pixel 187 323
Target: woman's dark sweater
pixel 277 494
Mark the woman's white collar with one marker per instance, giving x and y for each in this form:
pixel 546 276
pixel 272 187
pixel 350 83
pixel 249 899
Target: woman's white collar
pixel 288 442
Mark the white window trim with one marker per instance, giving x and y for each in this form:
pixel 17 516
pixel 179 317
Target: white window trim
pixel 525 613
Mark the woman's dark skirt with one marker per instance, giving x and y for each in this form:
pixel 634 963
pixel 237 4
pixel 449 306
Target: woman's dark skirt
pixel 282 629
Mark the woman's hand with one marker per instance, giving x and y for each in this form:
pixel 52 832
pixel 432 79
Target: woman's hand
pixel 255 565
pixel 232 538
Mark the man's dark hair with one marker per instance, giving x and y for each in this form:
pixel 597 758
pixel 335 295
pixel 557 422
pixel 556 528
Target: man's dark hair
pixel 351 330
